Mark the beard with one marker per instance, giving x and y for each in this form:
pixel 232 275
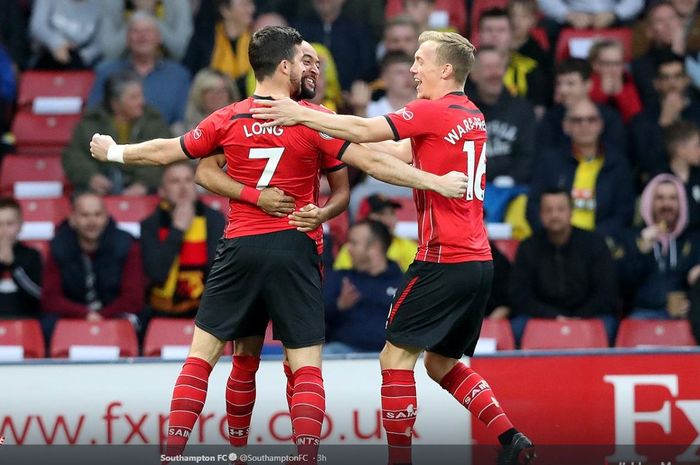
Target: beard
pixel 306 92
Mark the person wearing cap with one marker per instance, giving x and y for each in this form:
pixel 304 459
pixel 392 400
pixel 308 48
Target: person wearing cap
pixel 379 207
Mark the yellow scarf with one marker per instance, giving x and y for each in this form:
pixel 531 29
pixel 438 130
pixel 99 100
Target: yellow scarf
pixel 223 57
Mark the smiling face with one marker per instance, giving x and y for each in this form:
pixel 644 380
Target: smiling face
pixel 312 70
pixel 665 205
pixel 426 70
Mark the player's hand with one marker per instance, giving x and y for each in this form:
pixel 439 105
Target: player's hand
pixel 283 112
pixel 452 185
pixel 99 145
pixel 349 295
pixel 307 218
pixel 275 202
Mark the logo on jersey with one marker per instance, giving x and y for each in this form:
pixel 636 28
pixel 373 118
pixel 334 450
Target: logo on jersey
pixel 197 133
pixel 325 136
pixel 406 114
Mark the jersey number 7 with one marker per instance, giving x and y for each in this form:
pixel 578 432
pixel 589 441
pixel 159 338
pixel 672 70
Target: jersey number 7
pixel 273 155
pixel 474 179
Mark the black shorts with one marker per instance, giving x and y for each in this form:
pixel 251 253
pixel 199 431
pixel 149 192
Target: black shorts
pixel 254 279
pixel 440 307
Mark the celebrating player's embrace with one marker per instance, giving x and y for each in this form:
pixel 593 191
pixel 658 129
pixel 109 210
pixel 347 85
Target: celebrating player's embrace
pixel 267 268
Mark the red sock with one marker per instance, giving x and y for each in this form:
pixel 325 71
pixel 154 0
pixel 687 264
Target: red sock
pixel 290 385
pixel 240 398
pixel 188 400
pixel 308 408
pixel 472 391
pixel 399 410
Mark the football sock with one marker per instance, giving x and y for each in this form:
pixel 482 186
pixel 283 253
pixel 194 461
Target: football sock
pixel 308 409
pixel 399 410
pixel 240 398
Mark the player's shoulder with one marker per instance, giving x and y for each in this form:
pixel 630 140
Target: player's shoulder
pixel 315 106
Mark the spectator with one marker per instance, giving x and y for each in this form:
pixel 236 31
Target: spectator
pixel 179 243
pixel 224 47
pixel 93 270
pixel 427 16
pixel 357 299
pixel 67 33
pixel 262 21
pixel 596 175
pixel 400 35
pixel 682 141
pixel 524 76
pixel 674 102
pixel 510 120
pixel 443 13
pixel 20 266
pixel 664 31
pixel 661 260
pixel 125 116
pixel 328 92
pixel 572 85
pixel 349 41
pixel 611 84
pixel 174 21
pixel 13 32
pixel 563 272
pixel 165 82
pixel 399 85
pixel 581 14
pixel 499 304
pixel 523 16
pixel 382 209
pixel 210 91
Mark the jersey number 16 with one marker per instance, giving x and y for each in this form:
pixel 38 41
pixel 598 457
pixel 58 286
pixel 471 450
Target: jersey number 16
pixel 474 188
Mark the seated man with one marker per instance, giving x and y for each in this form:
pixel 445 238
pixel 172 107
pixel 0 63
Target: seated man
pixel 93 270
pixel 356 300
pixel 402 250
pixel 179 243
pixel 20 266
pixel 124 115
pixel 562 272
pixel 661 260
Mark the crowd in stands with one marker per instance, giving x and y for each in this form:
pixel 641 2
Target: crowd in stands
pixel 593 117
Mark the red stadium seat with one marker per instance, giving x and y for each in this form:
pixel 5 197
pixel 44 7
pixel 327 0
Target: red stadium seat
pixel 41 134
pixel 216 202
pixel 33 84
pixel 167 332
pixel 456 10
pixel 53 210
pixel 24 168
pixel 622 34
pixel 117 333
pixel 508 247
pixel 635 333
pixel 25 333
pixel 130 208
pixel 539 34
pixel 499 330
pixel 573 334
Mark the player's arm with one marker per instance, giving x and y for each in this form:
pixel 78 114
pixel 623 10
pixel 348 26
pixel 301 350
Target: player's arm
pixel 211 176
pixel 400 149
pixel 150 152
pixel 311 216
pixel 390 170
pixel 287 112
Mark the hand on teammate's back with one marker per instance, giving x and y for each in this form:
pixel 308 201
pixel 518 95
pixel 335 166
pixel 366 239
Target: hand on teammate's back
pixel 275 202
pixel 307 218
pixel 283 112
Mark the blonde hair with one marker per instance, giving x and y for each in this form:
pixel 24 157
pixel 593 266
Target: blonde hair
pixel 205 80
pixel 453 49
pixel 601 44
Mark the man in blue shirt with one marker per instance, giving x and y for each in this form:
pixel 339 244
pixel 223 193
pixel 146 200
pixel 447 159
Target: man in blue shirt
pixel 357 300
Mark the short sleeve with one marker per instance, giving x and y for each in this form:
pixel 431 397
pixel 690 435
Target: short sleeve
pixel 331 150
pixel 416 118
pixel 204 139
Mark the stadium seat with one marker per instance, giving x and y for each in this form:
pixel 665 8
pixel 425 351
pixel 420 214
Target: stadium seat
pixel 499 330
pixel 573 334
pixel 457 11
pixel 33 84
pixel 117 333
pixel 478 8
pixel 216 202
pixel 586 37
pixel 24 333
pixel 24 176
pixel 40 217
pixel 635 333
pixel 508 247
pixel 271 346
pixel 41 134
pixel 128 211
pixel 167 332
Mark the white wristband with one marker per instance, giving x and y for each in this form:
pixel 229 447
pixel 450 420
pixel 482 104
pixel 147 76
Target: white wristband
pixel 115 153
